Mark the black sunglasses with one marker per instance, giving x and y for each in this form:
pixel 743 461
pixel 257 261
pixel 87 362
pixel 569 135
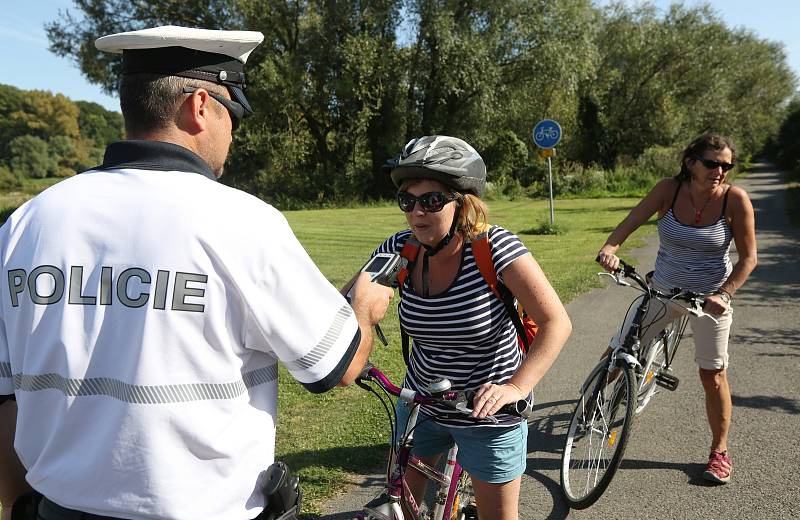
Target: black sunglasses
pixel 431 202
pixel 713 165
pixel 235 109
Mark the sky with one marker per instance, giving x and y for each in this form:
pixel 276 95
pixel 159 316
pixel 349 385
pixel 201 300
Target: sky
pixel 26 63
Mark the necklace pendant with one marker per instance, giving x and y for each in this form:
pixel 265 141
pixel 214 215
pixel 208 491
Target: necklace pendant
pixel 697 214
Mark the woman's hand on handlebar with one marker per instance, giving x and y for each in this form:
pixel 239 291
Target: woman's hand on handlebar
pixel 489 398
pixel 607 259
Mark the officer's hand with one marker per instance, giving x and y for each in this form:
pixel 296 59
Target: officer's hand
pixel 370 300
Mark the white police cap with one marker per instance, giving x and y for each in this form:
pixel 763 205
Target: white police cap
pixel 211 55
pixel 234 44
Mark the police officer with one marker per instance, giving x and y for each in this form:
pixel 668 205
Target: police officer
pixel 144 306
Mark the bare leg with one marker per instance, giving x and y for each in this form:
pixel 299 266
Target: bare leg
pixel 497 501
pixel 718 406
pixel 12 475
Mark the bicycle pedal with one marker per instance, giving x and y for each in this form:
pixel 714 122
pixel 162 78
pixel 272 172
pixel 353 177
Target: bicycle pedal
pixel 668 381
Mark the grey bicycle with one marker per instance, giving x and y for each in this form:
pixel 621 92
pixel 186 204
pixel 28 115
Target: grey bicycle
pixel 618 389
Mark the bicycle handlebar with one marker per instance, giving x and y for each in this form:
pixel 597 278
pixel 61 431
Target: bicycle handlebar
pixel 459 400
pixel 626 270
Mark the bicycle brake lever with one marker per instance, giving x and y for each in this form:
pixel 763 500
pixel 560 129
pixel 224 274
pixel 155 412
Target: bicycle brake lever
pixel 700 314
pixel 616 277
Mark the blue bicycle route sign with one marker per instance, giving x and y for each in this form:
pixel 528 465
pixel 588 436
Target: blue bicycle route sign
pixel 546 133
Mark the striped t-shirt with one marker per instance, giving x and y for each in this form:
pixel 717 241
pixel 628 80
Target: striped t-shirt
pixel 691 257
pixel 464 333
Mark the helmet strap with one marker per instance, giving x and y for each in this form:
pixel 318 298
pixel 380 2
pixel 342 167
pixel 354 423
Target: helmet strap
pixel 432 250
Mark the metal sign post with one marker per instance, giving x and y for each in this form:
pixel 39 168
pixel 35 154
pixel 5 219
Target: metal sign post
pixel 546 135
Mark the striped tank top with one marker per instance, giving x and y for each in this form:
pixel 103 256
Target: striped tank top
pixel 691 257
pixel 464 333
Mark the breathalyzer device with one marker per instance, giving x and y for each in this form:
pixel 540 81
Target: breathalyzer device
pixel 383 268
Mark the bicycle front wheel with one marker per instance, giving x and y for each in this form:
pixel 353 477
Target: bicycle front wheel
pixel 597 434
pixel 463 499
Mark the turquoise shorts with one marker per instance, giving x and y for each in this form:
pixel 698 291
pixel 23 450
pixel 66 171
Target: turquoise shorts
pixel 489 454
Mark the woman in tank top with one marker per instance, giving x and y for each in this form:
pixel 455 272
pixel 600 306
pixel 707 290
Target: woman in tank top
pixel 699 215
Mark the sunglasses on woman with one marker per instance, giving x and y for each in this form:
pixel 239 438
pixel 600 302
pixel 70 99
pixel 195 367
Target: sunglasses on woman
pixel 713 165
pixel 431 202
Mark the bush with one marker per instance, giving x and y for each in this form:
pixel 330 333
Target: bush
pixel 546 228
pixel 30 157
pixel 659 162
pixel 504 187
pixel 9 180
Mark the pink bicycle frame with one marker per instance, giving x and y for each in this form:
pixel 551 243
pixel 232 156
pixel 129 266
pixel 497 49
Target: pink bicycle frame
pixel 397 489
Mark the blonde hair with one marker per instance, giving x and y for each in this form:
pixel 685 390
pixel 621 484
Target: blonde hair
pixel 474 216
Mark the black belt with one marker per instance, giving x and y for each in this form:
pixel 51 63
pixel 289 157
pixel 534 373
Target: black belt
pixel 49 510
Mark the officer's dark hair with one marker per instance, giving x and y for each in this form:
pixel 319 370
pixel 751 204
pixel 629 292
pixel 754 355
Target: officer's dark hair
pixel 709 141
pixel 150 102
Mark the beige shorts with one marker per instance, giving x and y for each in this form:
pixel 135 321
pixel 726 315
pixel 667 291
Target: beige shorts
pixel 710 339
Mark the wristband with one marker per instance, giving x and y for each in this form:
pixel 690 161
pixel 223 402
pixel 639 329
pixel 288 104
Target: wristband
pixel 725 295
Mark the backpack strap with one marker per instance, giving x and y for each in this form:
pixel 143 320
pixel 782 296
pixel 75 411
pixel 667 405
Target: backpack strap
pixel 482 252
pixel 409 252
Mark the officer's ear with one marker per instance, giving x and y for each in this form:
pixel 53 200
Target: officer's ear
pixel 196 112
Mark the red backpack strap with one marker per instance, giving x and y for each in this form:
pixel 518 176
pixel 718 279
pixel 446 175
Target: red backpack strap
pixel 409 252
pixel 482 252
pixel 483 257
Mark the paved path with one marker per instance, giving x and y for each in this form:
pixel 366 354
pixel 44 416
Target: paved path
pixel 661 474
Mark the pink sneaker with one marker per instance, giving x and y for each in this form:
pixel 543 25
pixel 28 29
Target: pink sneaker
pixel 719 468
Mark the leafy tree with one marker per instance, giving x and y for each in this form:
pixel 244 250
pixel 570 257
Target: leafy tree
pixel 73 34
pixel 30 157
pixel 337 92
pixel 47 115
pixel 98 124
pixel 8 179
pixel 788 139
pixel 12 101
pixel 663 80
pixel 325 96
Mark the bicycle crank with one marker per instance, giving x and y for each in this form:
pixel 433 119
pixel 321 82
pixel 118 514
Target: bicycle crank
pixel 668 381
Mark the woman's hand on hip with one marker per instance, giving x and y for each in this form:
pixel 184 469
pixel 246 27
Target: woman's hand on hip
pixel 715 305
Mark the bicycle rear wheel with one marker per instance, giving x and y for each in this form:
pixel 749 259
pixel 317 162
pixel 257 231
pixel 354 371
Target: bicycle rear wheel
pixel 463 507
pixel 598 434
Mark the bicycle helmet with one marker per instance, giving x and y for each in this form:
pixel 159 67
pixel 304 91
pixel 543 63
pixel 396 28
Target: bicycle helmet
pixel 449 160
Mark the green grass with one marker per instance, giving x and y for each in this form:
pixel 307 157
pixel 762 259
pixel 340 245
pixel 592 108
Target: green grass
pixel 345 431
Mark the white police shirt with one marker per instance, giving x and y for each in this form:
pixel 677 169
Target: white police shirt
pixel 144 310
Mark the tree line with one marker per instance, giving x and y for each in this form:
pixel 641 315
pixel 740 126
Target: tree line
pixel 339 86
pixel 48 135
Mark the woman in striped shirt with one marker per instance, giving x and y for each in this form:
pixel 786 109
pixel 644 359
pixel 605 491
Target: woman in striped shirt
pixel 699 215
pixel 460 329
